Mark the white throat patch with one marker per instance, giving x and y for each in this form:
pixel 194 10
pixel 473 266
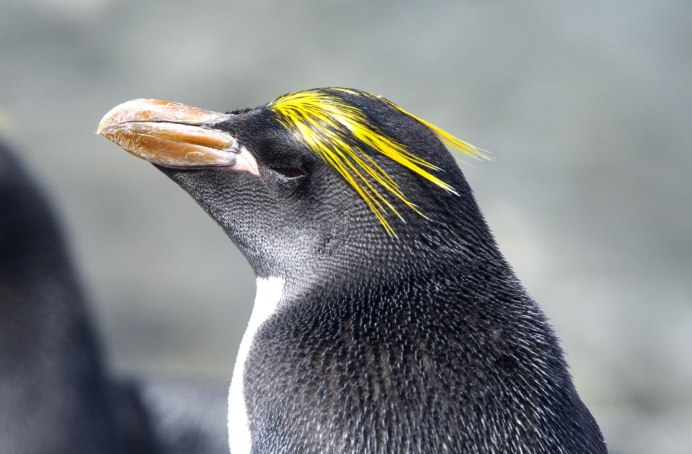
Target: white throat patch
pixel 269 293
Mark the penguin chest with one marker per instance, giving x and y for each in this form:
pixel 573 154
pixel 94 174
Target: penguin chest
pixel 269 293
pixel 320 379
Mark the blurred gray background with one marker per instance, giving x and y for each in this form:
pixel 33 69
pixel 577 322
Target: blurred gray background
pixel 586 107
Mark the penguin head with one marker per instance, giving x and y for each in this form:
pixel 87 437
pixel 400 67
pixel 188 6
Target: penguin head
pixel 337 175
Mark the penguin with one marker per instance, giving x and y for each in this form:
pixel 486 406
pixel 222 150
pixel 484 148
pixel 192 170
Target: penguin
pixel 54 394
pixel 57 394
pixel 386 318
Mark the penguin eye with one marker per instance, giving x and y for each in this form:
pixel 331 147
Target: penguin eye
pixel 291 173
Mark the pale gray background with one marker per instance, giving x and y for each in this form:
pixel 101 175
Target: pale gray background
pixel 586 106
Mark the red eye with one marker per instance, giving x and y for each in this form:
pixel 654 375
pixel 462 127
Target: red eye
pixel 290 172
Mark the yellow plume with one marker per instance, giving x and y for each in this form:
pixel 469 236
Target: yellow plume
pixel 338 132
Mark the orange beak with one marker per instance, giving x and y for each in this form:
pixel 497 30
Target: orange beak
pixel 171 134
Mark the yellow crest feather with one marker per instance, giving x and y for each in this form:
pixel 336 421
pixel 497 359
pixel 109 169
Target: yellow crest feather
pixel 337 132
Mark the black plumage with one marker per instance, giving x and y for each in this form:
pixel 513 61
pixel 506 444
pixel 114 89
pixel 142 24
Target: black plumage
pixel 421 340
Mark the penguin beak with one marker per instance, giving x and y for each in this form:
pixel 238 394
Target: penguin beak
pixel 171 134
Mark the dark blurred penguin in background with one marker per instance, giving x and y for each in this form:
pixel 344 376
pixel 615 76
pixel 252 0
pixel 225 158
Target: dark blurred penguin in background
pixel 56 394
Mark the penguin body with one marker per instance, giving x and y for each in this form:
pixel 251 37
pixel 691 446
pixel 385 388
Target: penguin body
pixel 386 320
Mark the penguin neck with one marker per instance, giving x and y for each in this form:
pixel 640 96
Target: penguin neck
pixel 409 260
